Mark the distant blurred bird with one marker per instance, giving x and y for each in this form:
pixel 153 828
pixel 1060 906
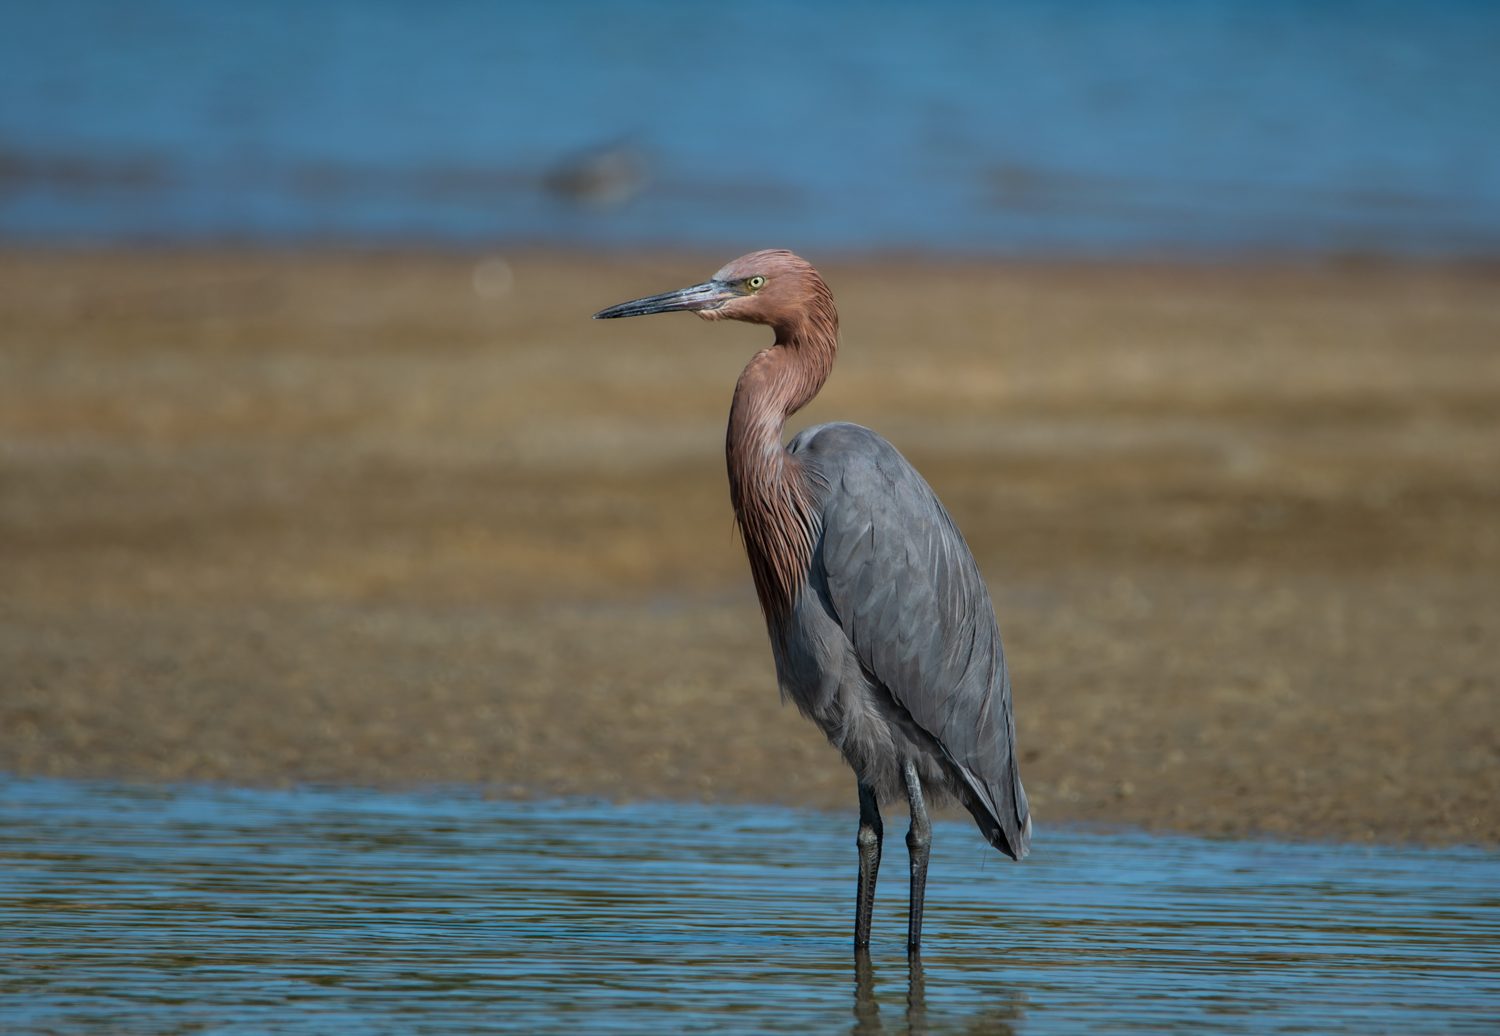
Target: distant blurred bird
pixel 881 627
pixel 601 177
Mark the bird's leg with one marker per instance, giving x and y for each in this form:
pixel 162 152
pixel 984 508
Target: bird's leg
pixel 871 831
pixel 919 845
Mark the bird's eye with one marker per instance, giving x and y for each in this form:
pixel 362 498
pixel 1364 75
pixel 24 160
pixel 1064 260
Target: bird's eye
pixel 756 283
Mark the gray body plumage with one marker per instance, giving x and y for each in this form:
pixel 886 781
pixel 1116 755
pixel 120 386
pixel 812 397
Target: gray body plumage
pixel 893 648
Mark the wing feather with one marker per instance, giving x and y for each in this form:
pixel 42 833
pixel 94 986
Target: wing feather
pixel 909 596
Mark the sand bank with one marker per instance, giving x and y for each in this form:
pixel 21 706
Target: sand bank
pixel 336 517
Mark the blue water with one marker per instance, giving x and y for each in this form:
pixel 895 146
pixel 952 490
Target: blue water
pixel 1106 127
pixel 129 909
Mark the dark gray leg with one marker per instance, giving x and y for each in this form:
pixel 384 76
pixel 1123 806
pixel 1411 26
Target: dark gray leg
pixel 919 844
pixel 871 831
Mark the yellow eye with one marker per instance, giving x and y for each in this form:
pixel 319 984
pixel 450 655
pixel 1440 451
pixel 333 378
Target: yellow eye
pixel 756 283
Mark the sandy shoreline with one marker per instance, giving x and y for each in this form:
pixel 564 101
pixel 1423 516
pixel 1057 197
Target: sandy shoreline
pixel 336 517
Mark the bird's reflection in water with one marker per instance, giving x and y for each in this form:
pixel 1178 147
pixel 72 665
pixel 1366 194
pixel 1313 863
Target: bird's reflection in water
pixel 916 995
pixel 867 1010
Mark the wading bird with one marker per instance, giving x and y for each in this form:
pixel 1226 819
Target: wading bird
pixel 882 630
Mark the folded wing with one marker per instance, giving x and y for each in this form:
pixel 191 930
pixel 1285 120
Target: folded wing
pixel 909 597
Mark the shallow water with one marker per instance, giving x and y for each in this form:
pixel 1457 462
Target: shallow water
pixel 199 909
pixel 1014 127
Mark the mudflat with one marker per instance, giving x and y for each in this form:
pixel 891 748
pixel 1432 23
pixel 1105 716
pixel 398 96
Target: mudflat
pixel 410 518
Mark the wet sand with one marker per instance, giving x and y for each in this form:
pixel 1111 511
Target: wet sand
pixel 341 518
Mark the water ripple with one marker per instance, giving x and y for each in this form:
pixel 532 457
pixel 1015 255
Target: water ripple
pixel 132 909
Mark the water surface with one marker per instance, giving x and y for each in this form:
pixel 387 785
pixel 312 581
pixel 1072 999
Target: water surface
pixel 192 909
pixel 1110 126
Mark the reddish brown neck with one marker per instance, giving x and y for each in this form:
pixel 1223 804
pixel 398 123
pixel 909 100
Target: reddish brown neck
pixel 772 500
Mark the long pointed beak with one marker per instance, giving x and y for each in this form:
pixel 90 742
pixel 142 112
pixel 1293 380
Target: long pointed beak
pixel 708 295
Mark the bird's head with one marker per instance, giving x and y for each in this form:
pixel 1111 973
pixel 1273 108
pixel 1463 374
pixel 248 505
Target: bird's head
pixel 772 287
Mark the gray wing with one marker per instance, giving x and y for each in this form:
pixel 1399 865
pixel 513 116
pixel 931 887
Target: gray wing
pixel 909 597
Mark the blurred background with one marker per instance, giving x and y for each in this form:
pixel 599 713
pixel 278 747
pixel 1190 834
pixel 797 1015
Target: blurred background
pixel 994 128
pixel 312 467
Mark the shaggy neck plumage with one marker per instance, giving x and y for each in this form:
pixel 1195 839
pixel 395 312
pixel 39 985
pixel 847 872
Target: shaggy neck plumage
pixel 768 486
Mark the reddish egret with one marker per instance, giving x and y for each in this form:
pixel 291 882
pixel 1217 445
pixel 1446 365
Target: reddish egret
pixel 882 630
